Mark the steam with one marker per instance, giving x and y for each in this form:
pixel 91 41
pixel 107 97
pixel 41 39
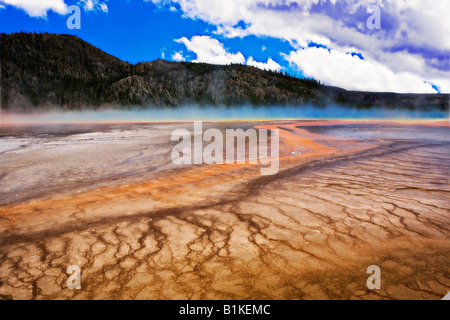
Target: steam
pixel 193 113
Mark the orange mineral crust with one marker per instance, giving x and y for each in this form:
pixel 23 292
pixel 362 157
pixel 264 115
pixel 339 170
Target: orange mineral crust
pixel 109 200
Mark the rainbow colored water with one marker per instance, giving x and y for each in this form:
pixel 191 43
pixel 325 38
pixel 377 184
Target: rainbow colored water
pixel 191 113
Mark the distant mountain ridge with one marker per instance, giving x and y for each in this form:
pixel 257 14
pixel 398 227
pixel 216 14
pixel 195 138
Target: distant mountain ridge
pixel 62 71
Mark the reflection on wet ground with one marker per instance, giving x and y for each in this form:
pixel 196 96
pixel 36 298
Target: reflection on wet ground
pixel 375 132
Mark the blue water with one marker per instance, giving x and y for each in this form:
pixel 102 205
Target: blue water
pixel 191 113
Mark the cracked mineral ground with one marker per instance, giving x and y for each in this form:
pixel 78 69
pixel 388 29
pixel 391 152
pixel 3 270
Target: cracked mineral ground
pixel 107 198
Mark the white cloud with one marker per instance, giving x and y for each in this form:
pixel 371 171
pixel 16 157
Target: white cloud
pixel 178 56
pixel 104 7
pixel 88 4
pixel 269 65
pixel 424 23
pixel 210 50
pixel 339 69
pixel 38 8
pixel 2 6
pixel 94 5
pixel 419 25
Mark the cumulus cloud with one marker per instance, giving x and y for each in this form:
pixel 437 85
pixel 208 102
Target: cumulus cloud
pixel 414 22
pixel 414 37
pixel 178 56
pixel 210 50
pixel 38 8
pixel 340 69
pixel 269 65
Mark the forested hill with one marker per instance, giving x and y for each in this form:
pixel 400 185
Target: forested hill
pixel 63 71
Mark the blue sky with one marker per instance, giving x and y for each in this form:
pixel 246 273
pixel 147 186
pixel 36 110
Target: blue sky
pixel 328 40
